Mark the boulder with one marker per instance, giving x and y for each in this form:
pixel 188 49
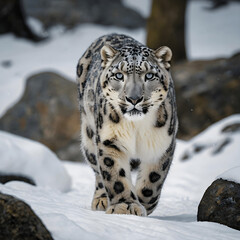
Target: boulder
pixel 207 91
pixel 47 112
pixel 71 13
pixel 221 204
pixel 18 221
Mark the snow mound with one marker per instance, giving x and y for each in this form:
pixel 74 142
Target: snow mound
pixel 232 174
pixel 29 158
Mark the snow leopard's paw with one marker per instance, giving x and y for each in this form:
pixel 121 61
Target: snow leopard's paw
pixel 100 203
pixel 127 208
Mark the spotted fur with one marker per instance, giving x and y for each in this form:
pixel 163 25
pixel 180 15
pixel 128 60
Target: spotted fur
pixel 128 119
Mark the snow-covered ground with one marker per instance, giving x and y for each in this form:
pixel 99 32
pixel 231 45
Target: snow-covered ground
pixel 67 215
pixel 64 206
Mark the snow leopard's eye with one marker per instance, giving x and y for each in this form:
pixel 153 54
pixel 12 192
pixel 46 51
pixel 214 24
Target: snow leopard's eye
pixel 119 76
pixel 149 76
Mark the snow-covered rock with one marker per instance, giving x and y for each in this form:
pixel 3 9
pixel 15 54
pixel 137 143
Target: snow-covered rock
pixel 29 158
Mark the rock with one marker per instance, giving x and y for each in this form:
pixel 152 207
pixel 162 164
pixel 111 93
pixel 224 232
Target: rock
pixel 221 204
pixel 207 91
pixel 18 221
pixel 48 113
pixel 104 12
pixel 4 178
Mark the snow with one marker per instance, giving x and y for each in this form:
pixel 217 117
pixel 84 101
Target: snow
pixel 68 215
pixel 36 26
pixel 62 197
pixel 25 157
pixel 142 6
pixel 232 174
pixel 212 34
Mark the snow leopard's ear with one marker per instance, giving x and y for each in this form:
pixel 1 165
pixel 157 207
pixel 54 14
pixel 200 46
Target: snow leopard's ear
pixel 107 54
pixel 164 55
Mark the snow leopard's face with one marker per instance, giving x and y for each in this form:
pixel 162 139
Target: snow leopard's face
pixel 135 79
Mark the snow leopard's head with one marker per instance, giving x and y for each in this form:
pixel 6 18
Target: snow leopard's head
pixel 135 79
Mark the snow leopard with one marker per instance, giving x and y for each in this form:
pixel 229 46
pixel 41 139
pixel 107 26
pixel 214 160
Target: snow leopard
pixel 128 121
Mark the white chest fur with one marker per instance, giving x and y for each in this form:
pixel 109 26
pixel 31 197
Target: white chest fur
pixel 139 139
pixel 151 143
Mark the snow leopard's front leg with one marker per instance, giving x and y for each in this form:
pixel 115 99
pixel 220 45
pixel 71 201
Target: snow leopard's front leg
pixel 115 171
pixel 100 201
pixel 151 178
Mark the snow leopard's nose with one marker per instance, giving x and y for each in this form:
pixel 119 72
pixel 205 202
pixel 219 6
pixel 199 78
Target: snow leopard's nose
pixel 134 101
